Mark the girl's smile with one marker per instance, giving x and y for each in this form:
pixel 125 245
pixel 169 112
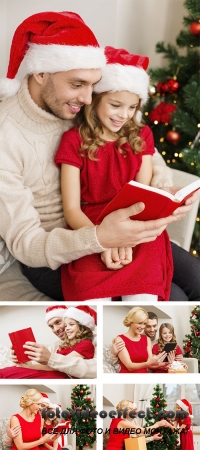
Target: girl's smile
pixel 71 328
pixel 166 335
pixel 114 110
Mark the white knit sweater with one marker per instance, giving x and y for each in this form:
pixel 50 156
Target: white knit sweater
pixel 32 222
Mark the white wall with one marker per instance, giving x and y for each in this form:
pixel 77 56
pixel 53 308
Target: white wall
pixel 166 313
pixel 13 318
pixel 133 24
pixel 10 396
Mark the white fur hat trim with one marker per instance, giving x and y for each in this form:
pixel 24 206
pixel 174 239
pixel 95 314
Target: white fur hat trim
pixel 81 317
pixel 117 77
pixel 60 58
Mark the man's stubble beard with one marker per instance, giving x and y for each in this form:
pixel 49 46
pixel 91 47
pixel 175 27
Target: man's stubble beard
pixel 49 101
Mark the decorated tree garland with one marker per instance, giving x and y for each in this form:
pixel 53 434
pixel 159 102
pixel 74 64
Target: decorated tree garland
pixel 169 439
pixel 172 111
pixel 191 347
pixel 83 426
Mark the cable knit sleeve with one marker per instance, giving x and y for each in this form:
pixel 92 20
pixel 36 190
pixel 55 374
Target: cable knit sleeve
pixel 73 366
pixel 32 223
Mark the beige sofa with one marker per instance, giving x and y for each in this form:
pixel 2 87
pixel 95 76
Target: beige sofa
pixel 108 366
pixel 3 427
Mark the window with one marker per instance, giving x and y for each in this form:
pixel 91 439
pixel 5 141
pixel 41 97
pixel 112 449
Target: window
pixel 191 392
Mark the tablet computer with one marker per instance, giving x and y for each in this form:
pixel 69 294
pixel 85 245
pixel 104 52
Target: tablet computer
pixel 169 347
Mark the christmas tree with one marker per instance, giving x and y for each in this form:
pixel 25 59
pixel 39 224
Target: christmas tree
pixel 191 345
pixel 169 439
pixel 172 111
pixel 84 425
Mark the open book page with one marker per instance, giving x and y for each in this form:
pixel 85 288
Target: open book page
pixel 179 196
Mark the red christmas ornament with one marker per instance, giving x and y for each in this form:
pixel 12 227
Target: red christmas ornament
pixel 195 28
pixel 86 420
pixel 192 326
pixel 173 86
pixel 88 399
pixel 86 444
pixel 156 413
pixel 74 395
pixel 173 137
pixel 158 399
pixel 165 404
pixel 81 392
pixel 157 405
pixel 78 433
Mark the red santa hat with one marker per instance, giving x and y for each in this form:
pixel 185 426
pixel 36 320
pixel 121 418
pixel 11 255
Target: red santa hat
pixel 55 311
pixel 84 315
pixel 124 72
pixel 45 398
pixel 51 42
pixel 186 406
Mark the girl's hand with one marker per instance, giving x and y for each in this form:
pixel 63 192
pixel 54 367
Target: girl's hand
pixel 116 258
pixel 171 356
pixel 14 431
pixel 13 356
pixel 157 437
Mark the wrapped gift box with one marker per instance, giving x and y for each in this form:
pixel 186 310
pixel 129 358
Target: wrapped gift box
pixel 136 443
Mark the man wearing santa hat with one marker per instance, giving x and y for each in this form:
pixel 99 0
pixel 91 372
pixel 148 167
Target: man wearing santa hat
pixel 73 366
pixel 62 61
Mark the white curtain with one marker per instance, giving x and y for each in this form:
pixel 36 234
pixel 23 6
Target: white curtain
pixel 142 396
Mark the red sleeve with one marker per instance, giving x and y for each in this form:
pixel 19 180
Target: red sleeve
pixel 178 350
pixel 156 349
pixel 85 348
pixel 147 135
pixel 187 422
pixel 68 150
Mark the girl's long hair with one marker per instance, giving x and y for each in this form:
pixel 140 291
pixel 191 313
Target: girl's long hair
pixel 82 334
pixel 170 327
pixel 54 421
pixel 90 130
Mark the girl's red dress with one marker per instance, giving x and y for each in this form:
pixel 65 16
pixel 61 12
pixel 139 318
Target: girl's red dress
pixel 49 427
pixel 116 439
pixel 186 438
pixel 85 348
pixel 31 431
pixel 137 351
pixel 151 270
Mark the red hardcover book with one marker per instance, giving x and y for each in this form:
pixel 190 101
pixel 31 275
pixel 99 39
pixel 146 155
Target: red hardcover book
pixel 18 339
pixel 158 203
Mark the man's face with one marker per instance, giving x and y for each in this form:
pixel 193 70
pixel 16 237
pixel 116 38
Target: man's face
pixel 64 93
pixel 151 328
pixel 57 325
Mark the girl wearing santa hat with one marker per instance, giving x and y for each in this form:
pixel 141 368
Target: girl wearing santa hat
pixel 184 425
pixel 79 325
pixel 109 147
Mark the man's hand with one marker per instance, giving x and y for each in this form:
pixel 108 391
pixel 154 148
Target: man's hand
pixel 118 230
pixel 157 437
pixel 37 352
pixel 184 209
pixel 116 347
pixel 116 258
pixel 13 356
pixel 13 432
